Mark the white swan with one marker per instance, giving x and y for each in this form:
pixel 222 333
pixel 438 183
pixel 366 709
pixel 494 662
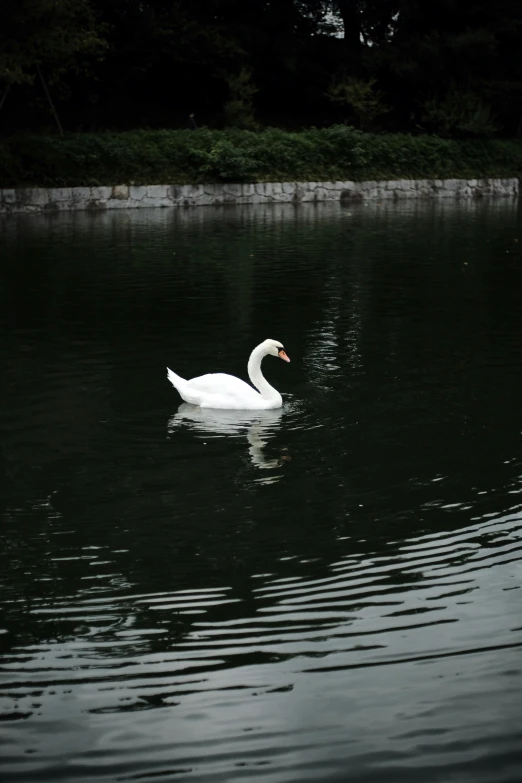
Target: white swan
pixel 219 390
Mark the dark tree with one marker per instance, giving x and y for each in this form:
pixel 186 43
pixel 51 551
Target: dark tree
pixel 452 68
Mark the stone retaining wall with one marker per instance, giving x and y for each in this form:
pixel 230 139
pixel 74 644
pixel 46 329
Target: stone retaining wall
pixel 131 196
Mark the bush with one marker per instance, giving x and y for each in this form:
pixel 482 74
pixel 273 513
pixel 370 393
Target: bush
pixel 183 156
pixel 360 95
pixel 460 112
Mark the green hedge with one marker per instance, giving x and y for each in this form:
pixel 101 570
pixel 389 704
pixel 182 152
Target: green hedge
pixel 183 156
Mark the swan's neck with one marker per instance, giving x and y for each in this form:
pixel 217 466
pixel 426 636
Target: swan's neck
pixel 258 379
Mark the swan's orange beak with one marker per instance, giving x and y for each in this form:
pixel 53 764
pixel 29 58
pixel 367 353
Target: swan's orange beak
pixel 282 355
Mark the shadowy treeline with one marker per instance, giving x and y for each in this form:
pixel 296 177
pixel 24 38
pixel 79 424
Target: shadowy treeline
pixel 451 67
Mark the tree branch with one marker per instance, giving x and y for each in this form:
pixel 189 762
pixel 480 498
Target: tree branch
pixel 51 104
pixel 4 96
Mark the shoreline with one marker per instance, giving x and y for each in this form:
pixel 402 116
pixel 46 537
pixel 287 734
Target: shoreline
pixel 101 198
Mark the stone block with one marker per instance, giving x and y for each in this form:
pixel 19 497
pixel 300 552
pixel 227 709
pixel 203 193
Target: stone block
pixel 452 185
pixel 120 192
pixel 174 192
pixel 247 190
pixel 60 194
pixel 80 195
pixel 137 192
pixel 351 194
pixel 8 196
pixel 155 192
pixel 194 192
pixel 211 191
pixel 233 189
pixel 425 190
pixel 100 193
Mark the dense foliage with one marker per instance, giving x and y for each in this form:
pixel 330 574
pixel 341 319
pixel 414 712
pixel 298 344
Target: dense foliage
pixel 181 156
pixel 452 68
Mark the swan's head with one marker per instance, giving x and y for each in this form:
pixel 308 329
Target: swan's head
pixel 275 348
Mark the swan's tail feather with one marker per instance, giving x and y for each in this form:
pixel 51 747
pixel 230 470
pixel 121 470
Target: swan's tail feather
pixel 183 387
pixel 176 380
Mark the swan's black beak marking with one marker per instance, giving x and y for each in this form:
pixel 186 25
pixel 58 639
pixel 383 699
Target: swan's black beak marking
pixel 282 355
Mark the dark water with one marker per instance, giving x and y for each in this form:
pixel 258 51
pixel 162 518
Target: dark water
pixel 326 592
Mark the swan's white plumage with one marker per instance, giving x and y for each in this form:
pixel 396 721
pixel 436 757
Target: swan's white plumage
pixel 219 390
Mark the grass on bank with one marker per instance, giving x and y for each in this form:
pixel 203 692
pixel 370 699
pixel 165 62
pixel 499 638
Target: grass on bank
pixel 182 157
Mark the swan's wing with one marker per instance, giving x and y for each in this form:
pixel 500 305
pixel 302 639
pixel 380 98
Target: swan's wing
pixel 221 384
pixel 219 390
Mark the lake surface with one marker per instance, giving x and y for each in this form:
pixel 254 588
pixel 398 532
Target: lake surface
pixel 328 592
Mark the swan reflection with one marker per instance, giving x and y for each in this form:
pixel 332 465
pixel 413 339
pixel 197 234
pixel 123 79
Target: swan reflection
pixel 258 426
